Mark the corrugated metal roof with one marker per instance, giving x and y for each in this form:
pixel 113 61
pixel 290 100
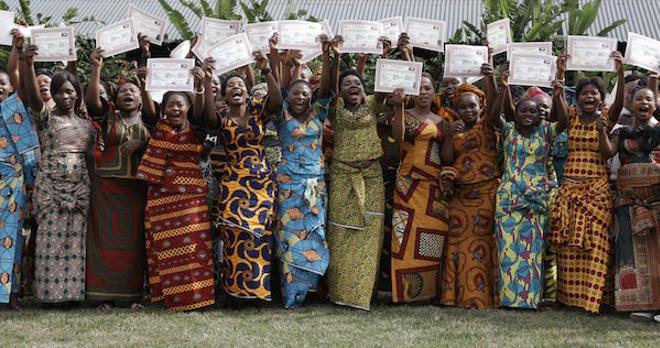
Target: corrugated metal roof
pixel 643 16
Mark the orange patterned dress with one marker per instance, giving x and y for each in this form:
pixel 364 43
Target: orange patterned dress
pixel 469 277
pixel 581 219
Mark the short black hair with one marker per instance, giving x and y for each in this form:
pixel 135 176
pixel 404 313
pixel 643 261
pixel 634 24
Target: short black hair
pixel 63 77
pixel 635 76
pixel 170 94
pixel 43 71
pixel 349 72
pixel 594 81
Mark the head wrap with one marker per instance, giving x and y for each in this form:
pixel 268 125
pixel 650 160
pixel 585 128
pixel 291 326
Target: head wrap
pixel 466 88
pixel 534 92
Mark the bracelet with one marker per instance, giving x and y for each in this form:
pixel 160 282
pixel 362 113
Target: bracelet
pixel 198 92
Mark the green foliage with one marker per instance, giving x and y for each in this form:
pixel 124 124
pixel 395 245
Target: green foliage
pixel 177 20
pixel 255 11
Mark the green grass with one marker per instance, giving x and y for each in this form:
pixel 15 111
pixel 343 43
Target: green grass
pixel 321 325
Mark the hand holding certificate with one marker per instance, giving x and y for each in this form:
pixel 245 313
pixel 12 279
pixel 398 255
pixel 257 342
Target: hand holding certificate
pixel 117 38
pixel 392 28
pixel 528 48
pixel 169 74
pixel 392 74
pixel 300 35
pixel 148 24
pixel 499 35
pixel 213 31
pixel 231 53
pixel 427 34
pixel 260 34
pixel 361 37
pixel 55 44
pixel 643 52
pixel 532 70
pixel 464 60
pixel 589 53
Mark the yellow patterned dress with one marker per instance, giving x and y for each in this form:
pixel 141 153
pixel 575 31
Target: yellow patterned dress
pixel 581 219
pixel 420 217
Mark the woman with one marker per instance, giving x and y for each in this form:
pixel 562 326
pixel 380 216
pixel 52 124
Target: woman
pixel 469 265
pixel 523 195
pixel 62 190
pixel 420 214
pixel 637 205
pixel 302 192
pixel 115 244
pixel 245 209
pixel 180 262
pixel 583 208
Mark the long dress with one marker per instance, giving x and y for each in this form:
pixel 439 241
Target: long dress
pixel 356 205
pixel 420 218
pixel 61 203
pixel 521 214
pixel 177 221
pixel 116 258
pixel 637 221
pixel 469 277
pixel 581 219
pixel 245 208
pixel 301 203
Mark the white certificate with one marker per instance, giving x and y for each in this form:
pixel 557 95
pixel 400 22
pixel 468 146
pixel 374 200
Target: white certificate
pixel 464 60
pixel 532 70
pixel 260 35
pixel 148 24
pixel 427 34
pixel 589 53
pixel 6 25
pixel 117 38
pixel 55 44
pixel 392 74
pixel 169 74
pixel 392 28
pixel 213 31
pixel 361 37
pixel 498 35
pixel 231 53
pixel 528 48
pixel 300 35
pixel 643 52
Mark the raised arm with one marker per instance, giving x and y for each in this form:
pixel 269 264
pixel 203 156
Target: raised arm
pixel 490 86
pixel 248 74
pixel 559 110
pixel 398 122
pixel 509 107
pixel 13 63
pixel 653 83
pixel 150 114
pixel 93 93
pixel 617 105
pixel 27 74
pixel 334 46
pixel 210 111
pixel 495 111
pixel 324 91
pixel 274 92
pixel 274 57
pixel 605 147
pixel 198 102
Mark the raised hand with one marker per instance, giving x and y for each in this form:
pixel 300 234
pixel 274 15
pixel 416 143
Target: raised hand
pixel 18 40
pixel 261 62
pixel 274 41
pixel 142 76
pixel 601 123
pixel 335 43
pixel 199 75
pixel 487 69
pixel 387 45
pixel 557 86
pixel 397 97
pixel 29 54
pixel 403 44
pixel 618 60
pixel 144 45
pixel 561 64
pixel 325 43
pixel 96 58
pixel 208 66
pixel 504 75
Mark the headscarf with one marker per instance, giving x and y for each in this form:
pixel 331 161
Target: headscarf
pixel 466 88
pixel 534 92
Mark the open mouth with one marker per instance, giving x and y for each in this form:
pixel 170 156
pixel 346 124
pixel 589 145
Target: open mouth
pixel 236 94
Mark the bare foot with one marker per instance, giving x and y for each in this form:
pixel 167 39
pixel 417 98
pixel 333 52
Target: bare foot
pixel 104 307
pixel 13 302
pixel 136 306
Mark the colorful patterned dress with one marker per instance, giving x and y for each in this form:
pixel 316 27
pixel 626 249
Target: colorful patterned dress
pixel 521 212
pixel 469 277
pixel 581 218
pixel 116 259
pixel 637 220
pixel 419 222
pixel 245 208
pixel 356 204
pixel 61 203
pixel 177 222
pixel 301 203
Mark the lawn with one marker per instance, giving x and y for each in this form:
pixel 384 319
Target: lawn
pixel 321 325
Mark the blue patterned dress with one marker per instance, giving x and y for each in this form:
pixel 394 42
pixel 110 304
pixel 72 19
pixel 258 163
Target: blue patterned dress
pixel 301 203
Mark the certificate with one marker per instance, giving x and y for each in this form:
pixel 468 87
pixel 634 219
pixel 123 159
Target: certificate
pixel 643 52
pixel 528 48
pixel 181 51
pixel 392 28
pixel 498 35
pixel 55 44
pixel 213 30
pixel 231 53
pixel 148 24
pixel 6 25
pixel 300 35
pixel 464 60
pixel 532 70
pixel 392 74
pixel 260 34
pixel 117 38
pixel 170 74
pixel 361 37
pixel 588 53
pixel 427 34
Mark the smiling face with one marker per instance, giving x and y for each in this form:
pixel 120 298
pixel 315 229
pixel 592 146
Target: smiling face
pixel 65 97
pixel 128 97
pixel 527 114
pixel 589 99
pixel 544 104
pixel 449 86
pixel 176 111
pixel 643 105
pixel 236 92
pixel 299 98
pixel 351 90
pixel 5 86
pixel 469 108
pixel 216 85
pixel 43 82
pixel 426 93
